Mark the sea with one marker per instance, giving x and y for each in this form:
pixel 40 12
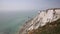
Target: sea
pixel 12 21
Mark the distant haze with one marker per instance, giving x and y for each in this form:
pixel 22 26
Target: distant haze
pixel 28 4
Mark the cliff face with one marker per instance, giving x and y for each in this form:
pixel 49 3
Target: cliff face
pixel 49 28
pixel 41 20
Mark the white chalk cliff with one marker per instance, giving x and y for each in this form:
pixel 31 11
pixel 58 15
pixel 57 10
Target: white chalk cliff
pixel 42 18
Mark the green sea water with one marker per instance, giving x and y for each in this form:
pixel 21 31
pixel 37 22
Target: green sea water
pixel 11 21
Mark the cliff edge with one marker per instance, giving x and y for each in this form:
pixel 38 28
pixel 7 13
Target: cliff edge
pixel 46 22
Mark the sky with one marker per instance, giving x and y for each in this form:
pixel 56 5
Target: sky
pixel 28 4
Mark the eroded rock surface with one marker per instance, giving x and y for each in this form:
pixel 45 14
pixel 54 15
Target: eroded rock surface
pixel 43 17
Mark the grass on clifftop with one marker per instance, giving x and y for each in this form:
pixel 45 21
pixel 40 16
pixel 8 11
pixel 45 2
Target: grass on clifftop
pixel 49 28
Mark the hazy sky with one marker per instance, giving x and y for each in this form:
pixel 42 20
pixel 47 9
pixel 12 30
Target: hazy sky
pixel 28 4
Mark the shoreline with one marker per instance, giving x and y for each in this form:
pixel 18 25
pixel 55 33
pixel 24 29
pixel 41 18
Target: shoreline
pixel 28 23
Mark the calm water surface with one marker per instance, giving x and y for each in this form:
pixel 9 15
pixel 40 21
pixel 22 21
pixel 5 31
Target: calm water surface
pixel 11 21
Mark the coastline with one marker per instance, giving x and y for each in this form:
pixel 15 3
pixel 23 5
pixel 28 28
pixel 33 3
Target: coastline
pixel 28 23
